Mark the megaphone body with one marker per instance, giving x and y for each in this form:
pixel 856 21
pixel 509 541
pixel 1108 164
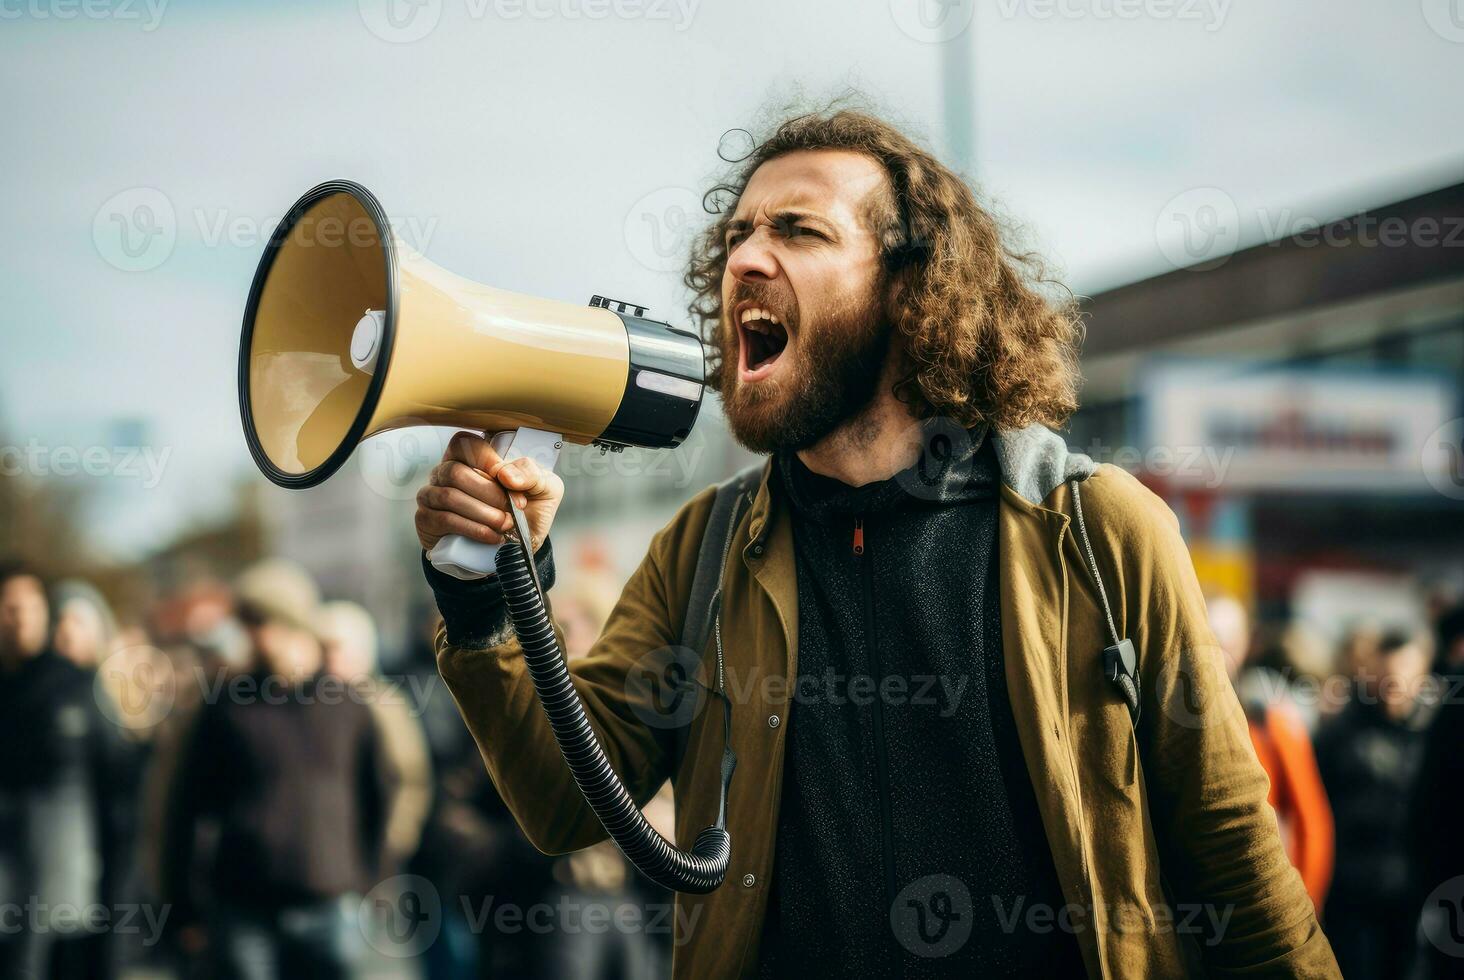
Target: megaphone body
pixel 349 333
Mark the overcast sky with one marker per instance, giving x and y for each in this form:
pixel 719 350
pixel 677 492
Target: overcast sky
pixel 554 146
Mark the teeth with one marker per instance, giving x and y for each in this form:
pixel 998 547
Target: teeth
pixel 754 315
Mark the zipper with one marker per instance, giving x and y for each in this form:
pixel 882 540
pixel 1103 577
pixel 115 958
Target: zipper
pixel 881 751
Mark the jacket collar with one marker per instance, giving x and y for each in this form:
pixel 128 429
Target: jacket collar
pixel 1034 461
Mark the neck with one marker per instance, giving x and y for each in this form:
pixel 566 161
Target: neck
pixel 879 441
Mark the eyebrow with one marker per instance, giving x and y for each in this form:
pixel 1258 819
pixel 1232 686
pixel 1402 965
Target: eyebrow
pixel 787 216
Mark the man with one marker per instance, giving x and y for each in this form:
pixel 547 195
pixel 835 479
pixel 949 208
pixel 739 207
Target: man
pixel 288 775
pixel 1370 757
pixel 348 634
pixel 61 833
pixel 1284 748
pixel 991 809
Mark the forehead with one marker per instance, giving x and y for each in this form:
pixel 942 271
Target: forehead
pixel 834 183
pixel 22 586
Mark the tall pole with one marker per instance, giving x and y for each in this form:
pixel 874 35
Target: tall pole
pixel 958 81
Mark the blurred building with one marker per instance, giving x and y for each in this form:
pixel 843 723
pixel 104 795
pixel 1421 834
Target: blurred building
pixel 1298 404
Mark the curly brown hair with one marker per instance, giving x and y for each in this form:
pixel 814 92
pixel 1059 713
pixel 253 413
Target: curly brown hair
pixel 983 341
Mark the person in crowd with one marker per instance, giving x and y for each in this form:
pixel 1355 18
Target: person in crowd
pixel 349 635
pixel 61 841
pixel 290 784
pixel 1285 750
pixel 1370 757
pixel 1438 803
pixel 85 628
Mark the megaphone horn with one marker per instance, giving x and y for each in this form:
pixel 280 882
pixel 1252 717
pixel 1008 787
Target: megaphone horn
pixel 349 333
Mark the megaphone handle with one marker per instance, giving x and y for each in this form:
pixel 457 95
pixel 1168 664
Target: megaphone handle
pixel 465 559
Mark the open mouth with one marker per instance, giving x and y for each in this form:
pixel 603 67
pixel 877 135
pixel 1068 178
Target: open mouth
pixel 764 338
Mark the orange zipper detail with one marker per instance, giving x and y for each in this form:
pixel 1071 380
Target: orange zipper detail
pixel 858 536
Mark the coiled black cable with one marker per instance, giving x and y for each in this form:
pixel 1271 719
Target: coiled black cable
pixel 696 871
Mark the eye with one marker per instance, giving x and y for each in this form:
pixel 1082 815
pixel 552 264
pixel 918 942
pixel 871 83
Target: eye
pixel 803 231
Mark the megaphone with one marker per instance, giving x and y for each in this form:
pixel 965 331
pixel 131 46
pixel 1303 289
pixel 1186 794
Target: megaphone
pixel 349 333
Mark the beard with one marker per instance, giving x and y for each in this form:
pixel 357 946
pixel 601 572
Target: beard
pixel 839 366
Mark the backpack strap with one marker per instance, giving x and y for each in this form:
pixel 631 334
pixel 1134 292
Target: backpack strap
pixel 1120 661
pixel 705 599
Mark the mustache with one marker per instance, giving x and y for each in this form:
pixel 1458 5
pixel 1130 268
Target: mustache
pixel 766 296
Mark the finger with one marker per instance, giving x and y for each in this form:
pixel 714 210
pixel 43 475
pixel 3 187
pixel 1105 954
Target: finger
pixel 525 476
pixel 455 501
pixel 470 481
pixel 474 450
pixel 441 523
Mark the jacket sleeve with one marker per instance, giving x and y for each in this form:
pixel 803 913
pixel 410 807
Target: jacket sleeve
pixel 1219 843
pixel 617 681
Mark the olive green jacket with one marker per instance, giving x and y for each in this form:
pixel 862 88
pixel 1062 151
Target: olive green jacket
pixel 1155 831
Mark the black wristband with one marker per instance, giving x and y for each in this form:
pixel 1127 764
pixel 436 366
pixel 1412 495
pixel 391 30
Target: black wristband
pixel 473 609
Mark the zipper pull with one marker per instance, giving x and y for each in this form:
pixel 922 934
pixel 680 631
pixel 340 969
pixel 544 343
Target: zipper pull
pixel 858 536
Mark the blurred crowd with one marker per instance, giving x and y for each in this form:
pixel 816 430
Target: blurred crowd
pixel 1362 745
pixel 231 787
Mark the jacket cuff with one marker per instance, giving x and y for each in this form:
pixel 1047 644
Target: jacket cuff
pixel 473 610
